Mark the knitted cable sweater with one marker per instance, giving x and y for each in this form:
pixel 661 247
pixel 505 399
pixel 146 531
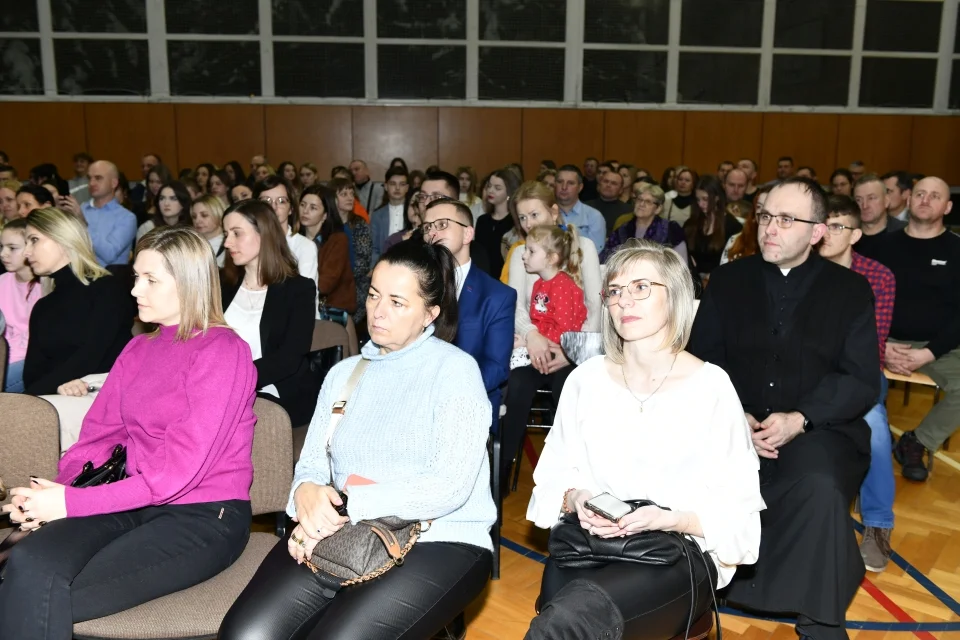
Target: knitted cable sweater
pixel 417 426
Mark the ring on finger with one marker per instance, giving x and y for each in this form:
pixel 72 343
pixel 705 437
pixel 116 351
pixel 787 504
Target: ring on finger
pixel 294 537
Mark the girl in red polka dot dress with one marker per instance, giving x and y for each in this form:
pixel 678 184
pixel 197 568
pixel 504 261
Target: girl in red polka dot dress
pixel 556 306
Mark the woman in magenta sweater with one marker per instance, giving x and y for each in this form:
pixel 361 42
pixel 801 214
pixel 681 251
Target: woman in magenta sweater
pixel 181 401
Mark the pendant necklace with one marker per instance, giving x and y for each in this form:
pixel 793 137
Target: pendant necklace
pixel 627 385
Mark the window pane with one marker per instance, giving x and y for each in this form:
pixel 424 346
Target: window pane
pixel 214 68
pixel 437 19
pixel 320 70
pixel 19 16
pixel 237 17
pixel 721 23
pixel 626 22
pixel 814 24
pixel 521 73
pixel 624 76
pixel 955 87
pixel 531 20
pixel 102 67
pixel 718 78
pixel 103 16
pixel 417 71
pixel 882 82
pixel 22 72
pixel 902 25
pixel 317 18
pixel 810 80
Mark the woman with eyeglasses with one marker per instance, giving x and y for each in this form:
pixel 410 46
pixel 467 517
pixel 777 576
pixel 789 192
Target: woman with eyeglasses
pixel 626 426
pixel 647 224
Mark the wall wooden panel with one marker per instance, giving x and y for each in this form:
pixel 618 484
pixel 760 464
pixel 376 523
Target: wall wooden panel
pixel 123 133
pixel 710 137
pixel 934 149
pixel 485 139
pixel 562 135
pixel 882 142
pixel 810 138
pixel 38 132
pixel 383 133
pixel 219 133
pixel 319 134
pixel 652 140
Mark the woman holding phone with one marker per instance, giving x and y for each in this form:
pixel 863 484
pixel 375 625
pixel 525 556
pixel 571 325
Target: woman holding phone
pixel 625 427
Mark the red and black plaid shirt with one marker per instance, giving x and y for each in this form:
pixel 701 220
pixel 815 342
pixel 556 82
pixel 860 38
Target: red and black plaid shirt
pixel 884 287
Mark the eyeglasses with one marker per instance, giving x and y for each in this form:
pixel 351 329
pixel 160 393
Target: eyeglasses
pixel 430 197
pixel 647 202
pixel 439 225
pixel 835 228
pixel 638 290
pixel 272 201
pixel 783 221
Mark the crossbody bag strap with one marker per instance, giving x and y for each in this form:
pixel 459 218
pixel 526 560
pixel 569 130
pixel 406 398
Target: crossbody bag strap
pixel 339 408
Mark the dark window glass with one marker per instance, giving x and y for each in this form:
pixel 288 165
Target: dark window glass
pixel 236 17
pixel 814 24
pixel 102 16
pixel 21 73
pixel 626 22
pixel 19 16
pixel 721 23
pixel 810 80
pixel 955 87
pixel 521 73
pixel 624 76
pixel 318 18
pixel 902 25
pixel 531 20
pixel 897 82
pixel 418 71
pixel 329 70
pixel 718 78
pixel 437 19
pixel 102 67
pixel 214 68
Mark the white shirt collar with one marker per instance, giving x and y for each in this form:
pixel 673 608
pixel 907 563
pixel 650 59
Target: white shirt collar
pixel 462 271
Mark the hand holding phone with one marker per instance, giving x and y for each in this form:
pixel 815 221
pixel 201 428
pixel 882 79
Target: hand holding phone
pixel 608 506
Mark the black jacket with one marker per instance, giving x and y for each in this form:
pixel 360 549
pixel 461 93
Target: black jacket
pixel 286 331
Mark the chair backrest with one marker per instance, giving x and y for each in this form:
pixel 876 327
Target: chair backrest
pixel 29 439
pixel 353 347
pixel 272 458
pixel 328 334
pixel 3 362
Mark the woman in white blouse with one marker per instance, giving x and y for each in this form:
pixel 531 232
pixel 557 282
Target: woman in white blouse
pixel 280 194
pixel 650 421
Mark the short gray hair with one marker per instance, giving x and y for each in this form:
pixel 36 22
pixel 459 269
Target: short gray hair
pixel 680 295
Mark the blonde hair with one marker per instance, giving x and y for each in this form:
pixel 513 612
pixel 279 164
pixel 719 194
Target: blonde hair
pixel 213 204
pixel 13 185
pixel 72 236
pixel 270 170
pixel 674 273
pixel 565 244
pixel 187 257
pixel 653 190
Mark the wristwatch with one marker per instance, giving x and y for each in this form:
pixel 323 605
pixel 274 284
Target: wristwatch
pixel 806 422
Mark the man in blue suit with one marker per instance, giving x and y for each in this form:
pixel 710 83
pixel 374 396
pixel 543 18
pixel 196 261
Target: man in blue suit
pixel 391 217
pixel 486 306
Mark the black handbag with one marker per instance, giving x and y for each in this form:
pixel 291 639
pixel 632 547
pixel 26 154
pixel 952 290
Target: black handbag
pixel 573 547
pixel 112 470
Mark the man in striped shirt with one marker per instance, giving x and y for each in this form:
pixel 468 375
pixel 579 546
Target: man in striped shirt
pixel 877 490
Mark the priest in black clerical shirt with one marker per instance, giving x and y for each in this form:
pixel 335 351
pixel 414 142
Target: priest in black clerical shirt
pixel 797 336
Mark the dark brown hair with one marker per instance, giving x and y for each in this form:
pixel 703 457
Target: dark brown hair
pixel 435 269
pixel 276 260
pixel 717 199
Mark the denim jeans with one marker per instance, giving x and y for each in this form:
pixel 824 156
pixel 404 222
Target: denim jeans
pixel 877 490
pixel 14 379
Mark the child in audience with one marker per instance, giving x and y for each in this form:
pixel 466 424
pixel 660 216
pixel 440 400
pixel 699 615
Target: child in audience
pixel 19 291
pixel 556 305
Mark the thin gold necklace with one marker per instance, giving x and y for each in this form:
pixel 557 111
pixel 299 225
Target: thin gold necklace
pixel 627 384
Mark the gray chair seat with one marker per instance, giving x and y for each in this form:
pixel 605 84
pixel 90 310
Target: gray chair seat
pixel 192 613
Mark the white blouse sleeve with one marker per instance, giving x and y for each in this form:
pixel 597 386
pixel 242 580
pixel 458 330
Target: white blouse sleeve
pixel 729 505
pixel 591 284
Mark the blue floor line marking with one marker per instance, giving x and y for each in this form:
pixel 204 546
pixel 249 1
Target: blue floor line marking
pixel 862 625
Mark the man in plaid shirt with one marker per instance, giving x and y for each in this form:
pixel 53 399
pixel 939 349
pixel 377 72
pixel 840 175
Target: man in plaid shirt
pixel 877 490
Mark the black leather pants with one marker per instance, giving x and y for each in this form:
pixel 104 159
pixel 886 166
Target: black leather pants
pixel 285 601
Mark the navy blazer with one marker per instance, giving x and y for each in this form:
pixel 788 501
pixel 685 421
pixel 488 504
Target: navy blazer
pixel 485 331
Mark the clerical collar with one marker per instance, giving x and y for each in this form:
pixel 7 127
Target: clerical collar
pixel 800 270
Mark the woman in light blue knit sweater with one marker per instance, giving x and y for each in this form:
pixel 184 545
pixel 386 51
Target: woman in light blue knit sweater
pixel 412 444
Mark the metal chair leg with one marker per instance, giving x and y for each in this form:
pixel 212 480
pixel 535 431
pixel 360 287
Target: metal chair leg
pixel 516 464
pixel 495 532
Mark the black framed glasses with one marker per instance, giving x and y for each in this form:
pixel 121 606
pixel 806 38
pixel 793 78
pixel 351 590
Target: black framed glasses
pixel 430 197
pixel 638 290
pixel 439 225
pixel 783 221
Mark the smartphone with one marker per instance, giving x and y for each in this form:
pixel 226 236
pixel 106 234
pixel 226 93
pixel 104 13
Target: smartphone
pixel 608 506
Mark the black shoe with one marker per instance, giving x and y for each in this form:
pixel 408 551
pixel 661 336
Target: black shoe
pixel 909 453
pixel 455 630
